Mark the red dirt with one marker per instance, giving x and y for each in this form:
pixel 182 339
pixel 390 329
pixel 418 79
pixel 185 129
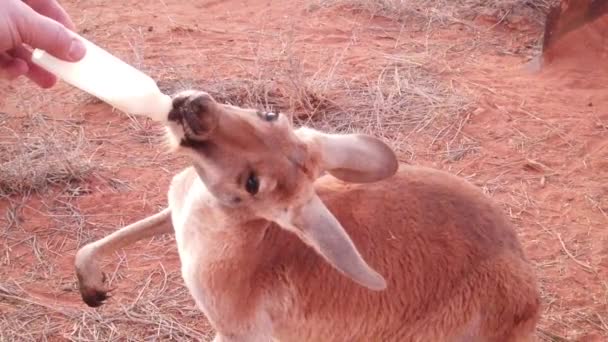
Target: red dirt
pixel 540 149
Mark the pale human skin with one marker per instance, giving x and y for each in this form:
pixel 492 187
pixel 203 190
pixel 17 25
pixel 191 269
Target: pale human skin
pixel 29 24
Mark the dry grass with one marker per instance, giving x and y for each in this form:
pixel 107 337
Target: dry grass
pixel 162 310
pixel 405 96
pixel 448 11
pixel 44 154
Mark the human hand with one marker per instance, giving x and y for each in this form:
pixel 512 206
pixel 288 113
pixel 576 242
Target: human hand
pixel 29 24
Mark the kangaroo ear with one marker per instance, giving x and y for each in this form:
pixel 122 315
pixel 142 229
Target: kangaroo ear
pixel 356 158
pixel 314 224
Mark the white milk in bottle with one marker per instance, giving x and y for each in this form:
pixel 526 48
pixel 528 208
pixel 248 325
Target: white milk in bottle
pixel 111 80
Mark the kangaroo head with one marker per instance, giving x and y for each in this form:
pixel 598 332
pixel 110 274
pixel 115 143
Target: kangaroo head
pixel 256 161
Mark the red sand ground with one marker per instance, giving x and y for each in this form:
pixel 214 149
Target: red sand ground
pixel 540 149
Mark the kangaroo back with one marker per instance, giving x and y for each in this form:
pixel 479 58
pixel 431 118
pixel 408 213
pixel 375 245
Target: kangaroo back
pixel 453 265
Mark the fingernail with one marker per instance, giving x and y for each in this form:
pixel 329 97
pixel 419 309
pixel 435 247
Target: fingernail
pixel 77 50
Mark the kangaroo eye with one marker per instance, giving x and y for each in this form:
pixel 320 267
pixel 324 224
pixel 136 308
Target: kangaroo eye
pixel 253 184
pixel 271 116
pixel 268 116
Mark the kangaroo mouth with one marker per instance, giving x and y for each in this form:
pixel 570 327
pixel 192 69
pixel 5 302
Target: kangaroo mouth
pixel 196 112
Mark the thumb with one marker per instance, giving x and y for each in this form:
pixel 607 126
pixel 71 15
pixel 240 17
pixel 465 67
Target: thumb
pixel 44 33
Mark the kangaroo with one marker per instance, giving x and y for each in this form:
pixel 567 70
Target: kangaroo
pixel 291 234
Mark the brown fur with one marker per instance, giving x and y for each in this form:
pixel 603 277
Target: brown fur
pixel 454 266
pixel 431 258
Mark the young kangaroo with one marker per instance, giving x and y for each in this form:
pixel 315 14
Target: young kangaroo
pixel 272 248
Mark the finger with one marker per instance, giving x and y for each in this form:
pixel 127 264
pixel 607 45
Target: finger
pixel 43 78
pixel 12 68
pixel 44 33
pixel 53 10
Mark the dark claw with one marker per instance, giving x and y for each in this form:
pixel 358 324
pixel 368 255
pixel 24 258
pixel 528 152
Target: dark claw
pixel 94 298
